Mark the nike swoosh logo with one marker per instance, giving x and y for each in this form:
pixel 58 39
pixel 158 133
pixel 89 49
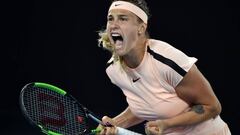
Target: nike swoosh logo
pixel 117 4
pixel 134 80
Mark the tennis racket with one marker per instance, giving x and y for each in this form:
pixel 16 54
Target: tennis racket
pixel 55 112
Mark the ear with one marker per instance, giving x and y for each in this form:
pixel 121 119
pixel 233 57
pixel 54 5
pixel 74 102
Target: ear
pixel 142 28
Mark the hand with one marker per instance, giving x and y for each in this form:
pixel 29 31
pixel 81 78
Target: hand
pixel 155 127
pixel 108 128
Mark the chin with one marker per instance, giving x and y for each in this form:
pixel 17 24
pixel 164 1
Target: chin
pixel 120 53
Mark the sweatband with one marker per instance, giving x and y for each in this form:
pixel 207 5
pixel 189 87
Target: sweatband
pixel 130 7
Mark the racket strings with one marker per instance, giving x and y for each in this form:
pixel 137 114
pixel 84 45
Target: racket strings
pixel 54 112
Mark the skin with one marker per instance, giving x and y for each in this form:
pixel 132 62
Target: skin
pixel 127 24
pixel 197 92
pixel 193 88
pixel 132 51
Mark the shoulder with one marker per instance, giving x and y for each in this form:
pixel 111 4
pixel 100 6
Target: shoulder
pixel 157 47
pixel 162 48
pixel 157 44
pixel 109 65
pixel 114 70
pixel 167 54
pixel 113 67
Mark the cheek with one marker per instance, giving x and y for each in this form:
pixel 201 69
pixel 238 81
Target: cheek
pixel 107 28
pixel 132 35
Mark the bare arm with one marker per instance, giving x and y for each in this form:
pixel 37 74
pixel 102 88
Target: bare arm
pixel 197 92
pixel 126 119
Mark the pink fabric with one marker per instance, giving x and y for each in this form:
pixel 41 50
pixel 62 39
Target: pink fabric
pixel 130 7
pixel 153 96
pixel 210 127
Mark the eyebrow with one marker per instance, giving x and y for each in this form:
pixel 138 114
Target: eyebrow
pixel 123 15
pixel 119 15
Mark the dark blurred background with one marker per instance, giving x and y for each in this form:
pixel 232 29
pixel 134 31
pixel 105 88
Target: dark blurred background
pixel 56 42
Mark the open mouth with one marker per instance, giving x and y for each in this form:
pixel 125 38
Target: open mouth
pixel 117 38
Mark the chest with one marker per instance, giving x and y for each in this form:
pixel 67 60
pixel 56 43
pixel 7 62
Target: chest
pixel 147 79
pixel 148 93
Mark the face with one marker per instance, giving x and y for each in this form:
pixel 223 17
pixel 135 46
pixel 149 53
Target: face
pixel 122 30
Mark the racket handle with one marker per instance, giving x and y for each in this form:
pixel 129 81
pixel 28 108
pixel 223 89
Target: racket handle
pixel 122 131
pixel 98 121
pixel 95 119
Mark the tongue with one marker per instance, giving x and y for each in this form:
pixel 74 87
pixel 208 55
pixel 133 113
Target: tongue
pixel 118 44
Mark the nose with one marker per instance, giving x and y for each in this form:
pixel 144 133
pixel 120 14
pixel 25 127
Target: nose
pixel 113 25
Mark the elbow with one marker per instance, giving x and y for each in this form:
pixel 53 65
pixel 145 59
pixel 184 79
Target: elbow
pixel 219 109
pixel 216 109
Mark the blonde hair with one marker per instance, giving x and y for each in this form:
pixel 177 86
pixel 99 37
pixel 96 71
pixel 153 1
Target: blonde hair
pixel 104 42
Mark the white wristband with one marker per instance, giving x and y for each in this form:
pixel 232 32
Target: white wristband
pixel 122 131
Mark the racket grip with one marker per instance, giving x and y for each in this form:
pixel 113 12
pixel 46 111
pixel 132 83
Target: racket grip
pixel 122 131
pixel 94 118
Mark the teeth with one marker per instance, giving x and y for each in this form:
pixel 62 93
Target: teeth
pixel 115 34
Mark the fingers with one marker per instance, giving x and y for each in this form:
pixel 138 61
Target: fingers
pixel 107 121
pixel 152 128
pixel 108 128
pixel 152 131
pixel 152 124
pixel 109 131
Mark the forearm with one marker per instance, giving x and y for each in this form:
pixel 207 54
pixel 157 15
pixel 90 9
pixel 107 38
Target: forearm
pixel 126 119
pixel 197 114
pixel 196 91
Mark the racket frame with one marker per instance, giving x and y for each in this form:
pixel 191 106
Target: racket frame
pixel 57 90
pixel 88 114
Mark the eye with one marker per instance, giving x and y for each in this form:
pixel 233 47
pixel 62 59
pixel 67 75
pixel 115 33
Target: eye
pixel 109 18
pixel 123 18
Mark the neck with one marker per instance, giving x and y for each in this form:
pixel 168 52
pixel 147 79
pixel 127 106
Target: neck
pixel 135 57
